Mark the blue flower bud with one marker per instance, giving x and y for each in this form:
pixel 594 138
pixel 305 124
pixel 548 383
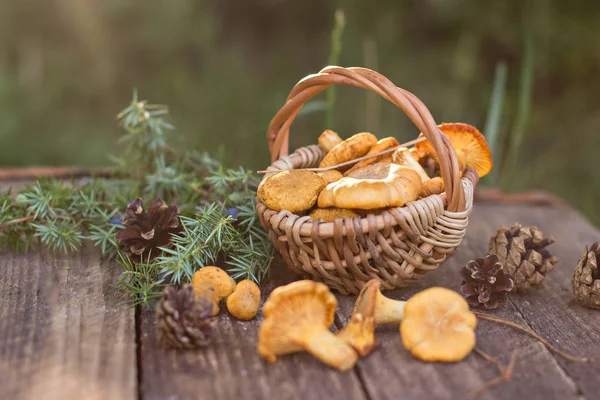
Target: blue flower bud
pixel 116 221
pixel 232 212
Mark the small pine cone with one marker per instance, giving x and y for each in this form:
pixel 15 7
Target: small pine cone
pixel 145 231
pixel 586 278
pixel 183 320
pixel 485 283
pixel 522 251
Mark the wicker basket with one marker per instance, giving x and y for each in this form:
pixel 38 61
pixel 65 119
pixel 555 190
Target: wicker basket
pixel 397 246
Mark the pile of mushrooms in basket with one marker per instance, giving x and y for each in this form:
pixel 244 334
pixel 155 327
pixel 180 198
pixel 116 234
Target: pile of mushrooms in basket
pixel 378 181
pixel 298 316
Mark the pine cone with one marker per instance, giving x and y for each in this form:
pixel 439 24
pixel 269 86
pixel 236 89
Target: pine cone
pixel 586 278
pixel 485 283
pixel 183 320
pixel 522 251
pixel 145 231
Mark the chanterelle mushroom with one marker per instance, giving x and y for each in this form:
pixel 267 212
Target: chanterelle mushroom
pixel 360 330
pixel 404 156
pixel 387 311
pixel 470 145
pixel 244 302
pixel 297 317
pixel 438 326
pixel 214 283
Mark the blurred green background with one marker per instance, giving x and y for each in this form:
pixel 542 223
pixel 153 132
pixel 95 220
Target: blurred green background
pixel 225 67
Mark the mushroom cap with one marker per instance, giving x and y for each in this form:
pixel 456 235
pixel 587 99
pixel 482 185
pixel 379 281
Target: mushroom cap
pixel 381 145
pixel 328 140
pixel 293 190
pixel 378 185
pixel 404 156
pixel 330 214
pixel 244 302
pixel 432 186
pixel 360 330
pixel 330 176
pixel 470 146
pixel 438 326
pixel 292 313
pixel 219 279
pixel 351 148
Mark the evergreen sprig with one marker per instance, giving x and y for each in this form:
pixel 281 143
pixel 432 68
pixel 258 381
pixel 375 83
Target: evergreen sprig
pixel 217 207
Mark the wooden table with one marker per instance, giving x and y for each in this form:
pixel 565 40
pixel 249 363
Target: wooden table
pixel 66 333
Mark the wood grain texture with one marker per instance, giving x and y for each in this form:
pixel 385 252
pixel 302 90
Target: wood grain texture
pixel 231 367
pixel 392 373
pixel 551 311
pixel 65 332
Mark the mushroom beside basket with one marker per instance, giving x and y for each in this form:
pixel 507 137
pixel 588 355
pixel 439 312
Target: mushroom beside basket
pixel 398 245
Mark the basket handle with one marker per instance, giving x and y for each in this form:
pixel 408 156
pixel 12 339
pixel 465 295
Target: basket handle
pixel 279 128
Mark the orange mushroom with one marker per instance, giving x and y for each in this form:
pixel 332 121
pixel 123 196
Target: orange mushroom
pixel 213 283
pixel 404 156
pixel 360 330
pixel 244 302
pixel 438 326
pixel 381 145
pixel 298 317
pixel 470 145
pixel 328 140
pixel 333 175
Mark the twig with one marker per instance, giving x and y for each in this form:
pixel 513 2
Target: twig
pixel 351 162
pixel 511 365
pixel 491 359
pixel 505 374
pixel 17 221
pixel 531 333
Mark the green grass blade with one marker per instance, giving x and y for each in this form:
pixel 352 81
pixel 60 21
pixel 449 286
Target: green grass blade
pixel 523 105
pixel 334 56
pixel 493 120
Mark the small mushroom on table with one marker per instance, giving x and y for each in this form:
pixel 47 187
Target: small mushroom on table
pixel 435 324
pixel 438 326
pixel 360 330
pixel 244 302
pixel 297 317
pixel 387 311
pixel 213 283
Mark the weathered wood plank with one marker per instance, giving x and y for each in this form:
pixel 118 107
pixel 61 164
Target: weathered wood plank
pixel 390 372
pixel 551 311
pixel 232 368
pixel 65 332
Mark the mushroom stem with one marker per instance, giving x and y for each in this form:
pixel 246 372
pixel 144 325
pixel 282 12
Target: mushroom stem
pixel 388 311
pixel 404 157
pixel 331 350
